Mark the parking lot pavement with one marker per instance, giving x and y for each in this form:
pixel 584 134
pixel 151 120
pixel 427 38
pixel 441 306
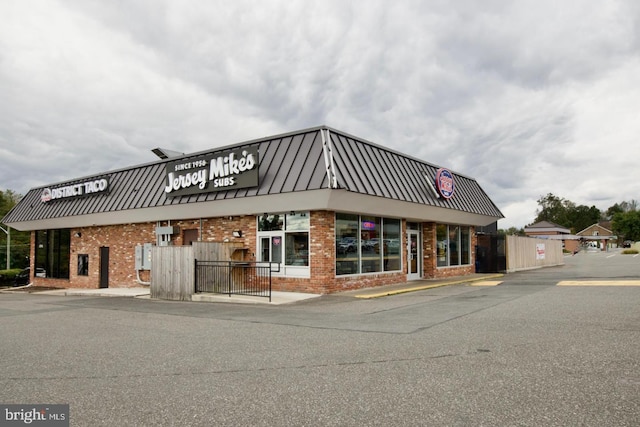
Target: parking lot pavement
pixel 525 352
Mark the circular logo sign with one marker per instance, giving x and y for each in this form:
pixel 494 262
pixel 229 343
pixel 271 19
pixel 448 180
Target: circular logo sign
pixel 46 195
pixel 444 183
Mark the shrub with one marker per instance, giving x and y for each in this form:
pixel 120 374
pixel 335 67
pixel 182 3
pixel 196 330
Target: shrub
pixel 8 276
pixel 630 252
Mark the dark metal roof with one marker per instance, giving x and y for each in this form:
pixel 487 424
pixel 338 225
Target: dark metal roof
pixel 310 159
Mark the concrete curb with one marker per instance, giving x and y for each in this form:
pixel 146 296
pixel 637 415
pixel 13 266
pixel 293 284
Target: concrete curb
pixel 427 286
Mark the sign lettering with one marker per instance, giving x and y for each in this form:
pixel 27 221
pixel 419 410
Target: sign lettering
pixel 226 171
pixel 80 189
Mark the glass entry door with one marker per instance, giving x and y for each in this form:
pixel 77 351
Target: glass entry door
pixel 271 248
pixel 414 255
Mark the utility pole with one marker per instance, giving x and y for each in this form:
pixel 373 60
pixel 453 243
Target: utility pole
pixel 8 233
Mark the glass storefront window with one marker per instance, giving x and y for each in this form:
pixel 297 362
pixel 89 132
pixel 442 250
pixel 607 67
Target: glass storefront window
pixel 297 221
pixel 284 237
pixel 465 246
pixel 367 244
pixel 346 244
pixel 271 222
pixel 370 244
pixel 453 243
pixel 391 244
pixel 53 253
pixel 442 246
pixel 297 248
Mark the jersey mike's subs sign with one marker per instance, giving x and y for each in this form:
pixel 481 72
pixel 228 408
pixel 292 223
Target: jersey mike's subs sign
pixel 229 170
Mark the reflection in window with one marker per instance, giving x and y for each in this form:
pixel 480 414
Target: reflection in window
pixel 391 244
pixel 284 237
pixel 370 244
pixel 453 243
pixel 442 246
pixel 297 248
pixel 366 244
pixel 53 253
pixel 83 265
pixel 297 221
pixel 271 222
pixel 346 244
pixel 465 246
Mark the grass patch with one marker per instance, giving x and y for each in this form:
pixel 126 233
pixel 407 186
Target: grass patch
pixel 630 252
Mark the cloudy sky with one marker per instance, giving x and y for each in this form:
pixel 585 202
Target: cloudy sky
pixel 528 97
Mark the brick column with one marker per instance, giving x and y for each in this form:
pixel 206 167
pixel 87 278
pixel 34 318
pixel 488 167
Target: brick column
pixel 429 249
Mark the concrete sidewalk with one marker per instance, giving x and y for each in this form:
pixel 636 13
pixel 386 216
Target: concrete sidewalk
pixel 278 298
pixel 103 292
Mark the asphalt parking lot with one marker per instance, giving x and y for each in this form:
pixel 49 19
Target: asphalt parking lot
pixel 524 352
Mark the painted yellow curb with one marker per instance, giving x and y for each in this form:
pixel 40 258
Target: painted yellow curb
pixel 487 283
pixel 599 283
pixel 424 287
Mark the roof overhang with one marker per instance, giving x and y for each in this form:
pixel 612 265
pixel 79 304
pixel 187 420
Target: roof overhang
pixel 326 199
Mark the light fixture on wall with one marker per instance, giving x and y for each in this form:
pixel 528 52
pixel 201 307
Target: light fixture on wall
pixel 78 234
pixel 237 233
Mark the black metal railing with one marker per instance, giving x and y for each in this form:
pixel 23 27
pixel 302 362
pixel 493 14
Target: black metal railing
pixel 235 277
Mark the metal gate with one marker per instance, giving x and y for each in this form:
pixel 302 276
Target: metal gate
pixel 235 277
pixel 491 254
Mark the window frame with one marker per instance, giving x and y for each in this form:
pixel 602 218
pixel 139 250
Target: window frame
pixel 290 229
pixel 351 244
pixel 445 250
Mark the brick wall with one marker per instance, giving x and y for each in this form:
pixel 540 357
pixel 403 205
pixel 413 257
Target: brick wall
pixel 122 239
pixel 431 270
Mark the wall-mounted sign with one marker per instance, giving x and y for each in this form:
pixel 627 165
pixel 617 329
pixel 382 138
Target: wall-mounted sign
pixel 80 189
pixel 218 172
pixel 368 225
pixel 444 183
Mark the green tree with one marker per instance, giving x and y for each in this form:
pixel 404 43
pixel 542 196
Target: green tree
pixel 627 225
pixel 512 231
pixel 554 209
pixel 566 213
pixel 621 208
pixel 582 217
pixel 20 240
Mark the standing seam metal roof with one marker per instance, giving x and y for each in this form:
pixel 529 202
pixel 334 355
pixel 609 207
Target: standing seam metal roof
pixel 287 163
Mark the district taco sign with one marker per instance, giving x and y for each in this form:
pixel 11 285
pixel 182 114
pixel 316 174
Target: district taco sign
pixel 230 170
pixel 78 189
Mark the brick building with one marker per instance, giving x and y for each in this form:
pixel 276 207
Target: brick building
pixel 553 231
pixel 337 212
pixel 598 235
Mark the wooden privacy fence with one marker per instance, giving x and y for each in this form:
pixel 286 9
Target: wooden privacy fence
pixel 172 272
pixel 173 267
pixel 525 253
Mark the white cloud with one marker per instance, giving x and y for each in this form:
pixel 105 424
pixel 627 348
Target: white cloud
pixel 528 97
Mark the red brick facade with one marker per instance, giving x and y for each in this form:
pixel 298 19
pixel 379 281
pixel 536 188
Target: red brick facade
pixel 122 240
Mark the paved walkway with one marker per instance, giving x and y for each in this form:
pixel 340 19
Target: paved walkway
pixel 278 298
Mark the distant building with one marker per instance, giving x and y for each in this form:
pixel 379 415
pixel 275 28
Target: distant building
pixel 598 235
pixel 552 231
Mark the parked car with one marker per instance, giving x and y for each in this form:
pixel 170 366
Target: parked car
pixel 347 244
pixel 24 277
